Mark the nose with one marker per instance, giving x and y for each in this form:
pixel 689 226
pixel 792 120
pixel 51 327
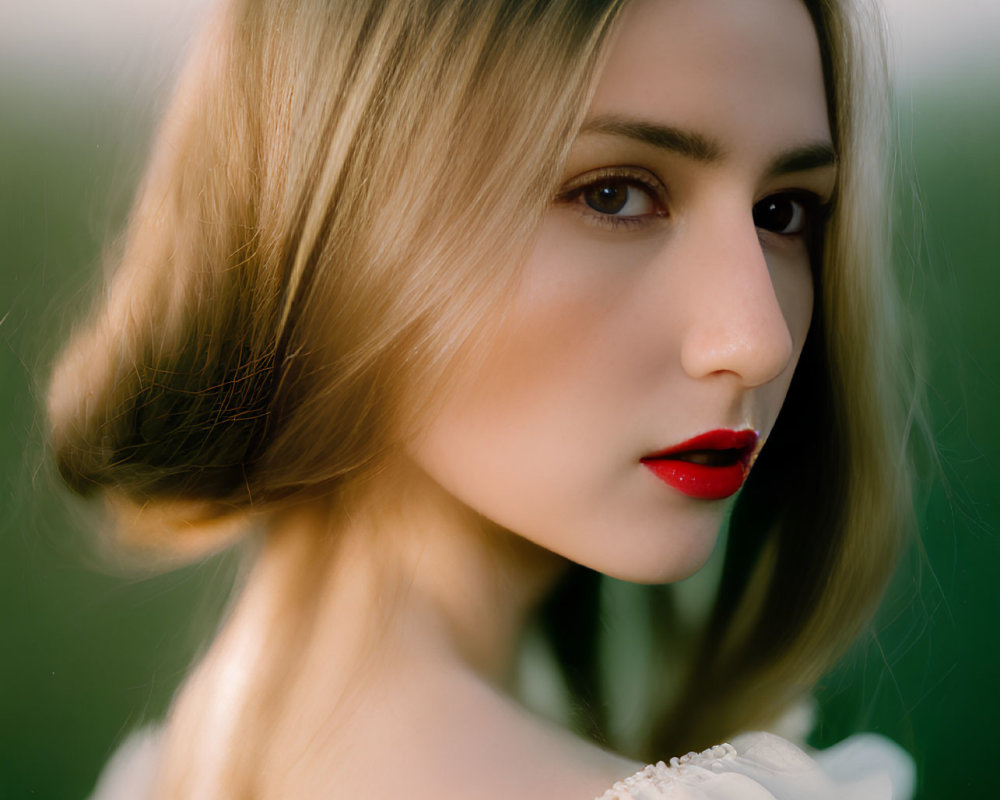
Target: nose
pixel 734 321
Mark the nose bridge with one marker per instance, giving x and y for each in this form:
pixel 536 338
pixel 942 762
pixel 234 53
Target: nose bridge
pixel 735 323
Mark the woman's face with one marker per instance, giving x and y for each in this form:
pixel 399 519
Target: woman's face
pixel 668 295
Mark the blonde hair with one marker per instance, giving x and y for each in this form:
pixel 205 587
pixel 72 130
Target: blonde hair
pixel 340 196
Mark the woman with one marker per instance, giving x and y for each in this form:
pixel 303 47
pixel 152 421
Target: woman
pixel 443 298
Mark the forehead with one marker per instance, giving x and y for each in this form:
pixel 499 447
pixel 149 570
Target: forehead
pixel 740 71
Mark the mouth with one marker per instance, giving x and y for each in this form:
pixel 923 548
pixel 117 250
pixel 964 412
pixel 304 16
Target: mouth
pixel 711 466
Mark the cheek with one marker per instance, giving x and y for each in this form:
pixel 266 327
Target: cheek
pixel 532 434
pixel 794 289
pixel 548 366
pixel 566 351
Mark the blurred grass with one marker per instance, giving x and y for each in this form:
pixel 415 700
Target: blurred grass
pixel 926 676
pixel 88 655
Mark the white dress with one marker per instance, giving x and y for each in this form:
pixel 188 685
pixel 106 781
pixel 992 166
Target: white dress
pixel 756 766
pixel 762 766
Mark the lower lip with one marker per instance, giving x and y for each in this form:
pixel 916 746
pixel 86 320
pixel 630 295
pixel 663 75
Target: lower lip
pixel 701 481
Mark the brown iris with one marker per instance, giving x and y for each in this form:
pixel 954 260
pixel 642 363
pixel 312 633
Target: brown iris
pixel 607 197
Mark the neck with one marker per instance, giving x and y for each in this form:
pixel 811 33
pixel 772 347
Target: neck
pixel 393 615
pixel 435 579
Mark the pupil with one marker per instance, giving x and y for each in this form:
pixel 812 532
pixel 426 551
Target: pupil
pixel 608 198
pixel 774 215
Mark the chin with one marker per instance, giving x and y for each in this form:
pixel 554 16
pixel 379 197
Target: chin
pixel 665 560
pixel 672 573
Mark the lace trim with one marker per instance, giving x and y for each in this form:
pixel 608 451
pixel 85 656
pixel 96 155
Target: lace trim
pixel 690 769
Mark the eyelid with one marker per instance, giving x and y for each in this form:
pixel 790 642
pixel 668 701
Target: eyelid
pixel 640 175
pixel 807 197
pixel 821 193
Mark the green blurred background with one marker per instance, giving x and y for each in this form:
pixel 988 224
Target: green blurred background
pixel 87 655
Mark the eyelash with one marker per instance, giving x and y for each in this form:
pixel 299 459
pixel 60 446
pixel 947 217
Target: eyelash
pixel 809 206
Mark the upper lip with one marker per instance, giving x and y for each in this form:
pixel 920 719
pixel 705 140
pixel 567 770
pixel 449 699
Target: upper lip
pixel 744 440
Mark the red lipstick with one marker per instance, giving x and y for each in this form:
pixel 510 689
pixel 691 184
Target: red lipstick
pixel 711 466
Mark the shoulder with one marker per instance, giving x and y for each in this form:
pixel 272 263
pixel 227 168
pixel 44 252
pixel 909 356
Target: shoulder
pixel 131 772
pixel 762 766
pixel 756 766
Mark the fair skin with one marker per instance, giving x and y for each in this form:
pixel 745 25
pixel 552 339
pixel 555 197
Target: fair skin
pixel 668 293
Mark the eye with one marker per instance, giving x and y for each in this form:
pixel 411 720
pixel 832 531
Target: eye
pixel 786 214
pixel 616 197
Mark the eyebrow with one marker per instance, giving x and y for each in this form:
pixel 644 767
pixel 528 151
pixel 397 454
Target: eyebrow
pixel 686 143
pixel 698 147
pixel 804 158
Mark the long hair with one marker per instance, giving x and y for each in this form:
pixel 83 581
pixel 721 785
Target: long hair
pixel 340 195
